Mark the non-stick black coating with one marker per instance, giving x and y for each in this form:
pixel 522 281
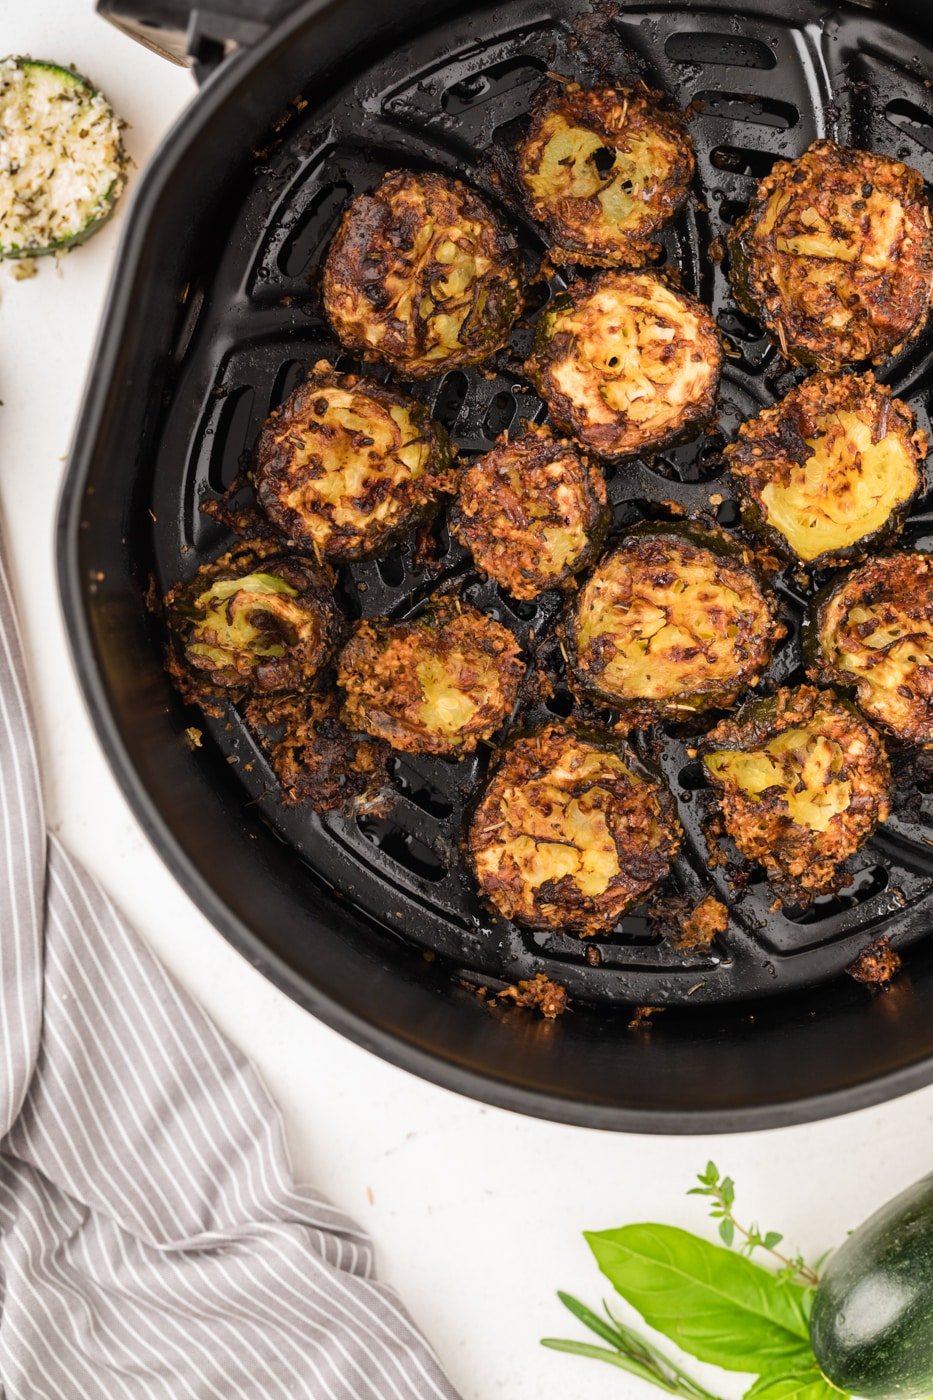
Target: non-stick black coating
pixel 827 1049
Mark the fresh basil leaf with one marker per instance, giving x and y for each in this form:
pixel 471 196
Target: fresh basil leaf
pixel 801 1385
pixel 713 1303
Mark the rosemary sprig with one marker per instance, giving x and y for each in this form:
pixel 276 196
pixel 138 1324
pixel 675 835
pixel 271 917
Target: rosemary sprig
pixel 630 1352
pixel 721 1191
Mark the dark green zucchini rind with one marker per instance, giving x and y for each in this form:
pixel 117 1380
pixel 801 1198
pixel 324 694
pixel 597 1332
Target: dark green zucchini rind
pixel 438 683
pixel 62 161
pixel 604 170
pixel 423 275
pixel 873 631
pixel 571 830
pixel 533 512
pixel 835 256
pixel 671 623
pixel 253 622
pixel 626 364
pixel 871 1327
pixel 802 781
pixel 346 465
pixel 831 471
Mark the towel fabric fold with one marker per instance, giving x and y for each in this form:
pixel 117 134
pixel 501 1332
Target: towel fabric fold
pixel 153 1244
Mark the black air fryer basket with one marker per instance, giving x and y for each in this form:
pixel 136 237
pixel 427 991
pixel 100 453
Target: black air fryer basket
pixel 213 318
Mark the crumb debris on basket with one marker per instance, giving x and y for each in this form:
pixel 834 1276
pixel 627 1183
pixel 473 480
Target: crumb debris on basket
pixel 641 1021
pixel 877 965
pixel 536 993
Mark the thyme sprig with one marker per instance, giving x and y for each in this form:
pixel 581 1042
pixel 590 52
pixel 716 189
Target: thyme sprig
pixel 721 1191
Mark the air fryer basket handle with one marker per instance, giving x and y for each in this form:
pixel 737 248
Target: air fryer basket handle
pixel 197 36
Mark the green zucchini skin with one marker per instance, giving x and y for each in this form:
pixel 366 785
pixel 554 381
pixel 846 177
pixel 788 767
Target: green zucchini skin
pixel 872 1322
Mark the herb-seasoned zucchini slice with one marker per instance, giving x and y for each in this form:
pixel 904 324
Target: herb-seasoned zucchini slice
pixel 532 512
pixel 671 623
pixel 62 162
pixel 831 470
pixel 314 756
pixel 347 464
pixel 255 620
pixel 604 170
pixel 874 630
pixel 803 781
pixel 626 363
pixel 422 274
pixel 437 684
pixel 835 256
pixel 571 831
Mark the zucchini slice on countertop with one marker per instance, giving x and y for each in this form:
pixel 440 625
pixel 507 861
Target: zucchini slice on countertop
pixel 438 683
pixel 346 464
pixel 672 622
pixel 626 363
pixel 422 274
pixel 571 830
pixel 873 629
pixel 254 621
pixel 831 470
pixel 835 256
pixel 604 170
pixel 62 162
pixel 802 782
pixel 532 512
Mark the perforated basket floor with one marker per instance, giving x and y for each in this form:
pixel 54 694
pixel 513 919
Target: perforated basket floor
pixel 766 88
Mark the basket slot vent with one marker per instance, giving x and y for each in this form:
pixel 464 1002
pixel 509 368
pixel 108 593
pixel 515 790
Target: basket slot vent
pixel 232 437
pixel 313 227
pixel 739 160
pixel 403 848
pixel 746 107
pixel 490 82
pixel 912 120
pixel 731 50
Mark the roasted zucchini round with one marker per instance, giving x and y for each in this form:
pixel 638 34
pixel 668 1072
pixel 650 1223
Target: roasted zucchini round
pixel 255 620
pixel 802 781
pixel 62 162
pixel 874 630
pixel 571 831
pixel 422 274
pixel 532 512
pixel 439 683
pixel 346 464
pixel 670 623
pixel 603 170
pixel 835 256
pixel 314 756
pixel 626 363
pixel 831 470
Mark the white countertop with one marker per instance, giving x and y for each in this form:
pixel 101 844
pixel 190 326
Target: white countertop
pixel 476 1213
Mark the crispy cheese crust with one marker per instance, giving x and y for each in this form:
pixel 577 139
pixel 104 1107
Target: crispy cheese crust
pixel 671 623
pixel 874 631
pixel 626 363
pixel 835 255
pixel 603 170
pixel 437 684
pixel 254 621
pixel 571 831
pixel 830 470
pixel 422 274
pixel 346 464
pixel 802 781
pixel 531 512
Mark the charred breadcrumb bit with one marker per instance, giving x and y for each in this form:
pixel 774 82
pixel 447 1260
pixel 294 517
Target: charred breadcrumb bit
pixel 315 757
pixel 835 256
pixel 604 170
pixel 877 964
pixel 689 929
pixel 641 1021
pixel 422 274
pixel 538 993
pixel 194 737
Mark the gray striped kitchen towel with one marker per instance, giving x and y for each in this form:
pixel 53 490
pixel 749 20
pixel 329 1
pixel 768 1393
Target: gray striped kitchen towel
pixel 152 1243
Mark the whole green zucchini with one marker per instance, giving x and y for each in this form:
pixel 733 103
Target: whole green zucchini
pixel 872 1322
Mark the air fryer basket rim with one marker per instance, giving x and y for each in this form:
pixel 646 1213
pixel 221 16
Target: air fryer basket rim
pixel 446 1072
